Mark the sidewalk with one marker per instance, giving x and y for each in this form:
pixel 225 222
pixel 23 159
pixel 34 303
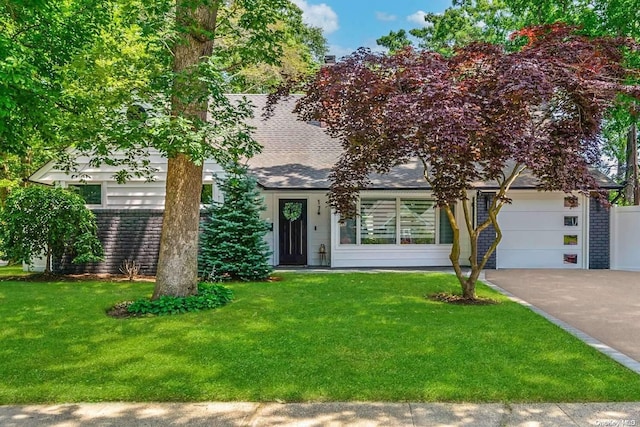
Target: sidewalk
pixel 321 414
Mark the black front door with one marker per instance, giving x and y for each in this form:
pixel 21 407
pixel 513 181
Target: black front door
pixel 293 231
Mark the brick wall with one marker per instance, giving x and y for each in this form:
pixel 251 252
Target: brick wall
pixel 599 236
pixel 125 234
pixel 487 237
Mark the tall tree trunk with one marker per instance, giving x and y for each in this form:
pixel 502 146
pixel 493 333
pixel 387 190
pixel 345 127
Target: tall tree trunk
pixel 632 190
pixel 47 262
pixel 177 273
pixel 633 142
pixel 4 174
pixel 178 263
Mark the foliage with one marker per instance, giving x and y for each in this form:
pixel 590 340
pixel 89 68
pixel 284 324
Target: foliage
pixel 232 244
pixel 493 21
pixel 16 169
pixel 44 221
pixel 466 21
pixel 37 41
pixel 128 76
pixel 128 84
pixel 481 115
pixel 209 296
pixel 304 339
pixel 303 50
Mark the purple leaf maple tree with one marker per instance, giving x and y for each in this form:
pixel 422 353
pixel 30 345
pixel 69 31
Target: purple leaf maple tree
pixel 481 115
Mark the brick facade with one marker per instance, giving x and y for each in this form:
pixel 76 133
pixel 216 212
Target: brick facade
pixel 487 237
pixel 124 234
pixel 599 236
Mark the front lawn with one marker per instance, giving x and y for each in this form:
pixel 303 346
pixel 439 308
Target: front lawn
pixel 308 337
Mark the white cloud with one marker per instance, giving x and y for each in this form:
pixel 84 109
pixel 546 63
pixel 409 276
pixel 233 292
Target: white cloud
pixel 385 17
pixel 418 18
pixel 318 15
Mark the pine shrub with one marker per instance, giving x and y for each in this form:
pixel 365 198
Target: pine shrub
pixel 232 244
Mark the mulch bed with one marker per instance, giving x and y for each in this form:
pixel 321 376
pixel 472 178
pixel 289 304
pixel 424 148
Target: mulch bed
pixel 119 311
pixel 459 300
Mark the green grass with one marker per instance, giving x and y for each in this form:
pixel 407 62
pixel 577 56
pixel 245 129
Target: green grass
pixel 309 337
pixel 13 270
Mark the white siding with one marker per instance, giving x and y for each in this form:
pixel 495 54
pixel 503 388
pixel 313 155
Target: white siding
pixel 389 255
pixel 271 215
pixel 533 231
pixel 134 194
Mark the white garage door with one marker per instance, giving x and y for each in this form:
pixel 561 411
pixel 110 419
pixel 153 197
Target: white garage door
pixel 540 230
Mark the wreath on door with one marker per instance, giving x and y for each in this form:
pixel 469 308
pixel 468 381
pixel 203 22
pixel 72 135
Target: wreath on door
pixel 292 210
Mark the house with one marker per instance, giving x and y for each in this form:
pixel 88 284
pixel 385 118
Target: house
pixel 399 224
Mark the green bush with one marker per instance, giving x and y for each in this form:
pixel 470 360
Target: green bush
pixel 47 221
pixel 209 296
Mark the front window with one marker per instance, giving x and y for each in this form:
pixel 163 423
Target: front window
pixel 91 193
pixel 348 232
pixel 377 221
pixel 417 222
pixel 206 196
pixel 397 221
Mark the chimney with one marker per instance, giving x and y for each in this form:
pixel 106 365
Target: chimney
pixel 329 60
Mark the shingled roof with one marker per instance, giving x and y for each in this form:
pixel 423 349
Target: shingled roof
pixel 300 155
pixel 296 154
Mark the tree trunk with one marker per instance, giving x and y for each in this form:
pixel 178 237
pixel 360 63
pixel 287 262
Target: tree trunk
pixel 468 284
pixel 469 287
pixel 633 142
pixel 632 190
pixel 177 273
pixel 47 262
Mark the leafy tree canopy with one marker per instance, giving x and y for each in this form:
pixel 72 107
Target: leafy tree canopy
pixel 494 20
pixel 37 40
pixel 128 76
pixel 482 114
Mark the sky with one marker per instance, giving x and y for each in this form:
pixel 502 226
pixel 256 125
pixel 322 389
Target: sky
pixel 350 24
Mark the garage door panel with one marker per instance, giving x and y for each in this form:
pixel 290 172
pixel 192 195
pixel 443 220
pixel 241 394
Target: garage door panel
pixel 547 203
pixel 534 233
pixel 538 239
pixel 534 221
pixel 530 258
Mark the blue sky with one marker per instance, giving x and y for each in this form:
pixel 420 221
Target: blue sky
pixel 349 24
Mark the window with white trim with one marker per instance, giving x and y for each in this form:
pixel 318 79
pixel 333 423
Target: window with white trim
pixel 377 221
pixel 417 222
pixel 397 221
pixel 91 193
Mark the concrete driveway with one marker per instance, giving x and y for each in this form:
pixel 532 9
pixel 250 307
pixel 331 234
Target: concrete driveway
pixel 604 304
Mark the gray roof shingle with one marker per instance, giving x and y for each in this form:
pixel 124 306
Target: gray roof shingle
pixel 296 154
pixel 300 155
